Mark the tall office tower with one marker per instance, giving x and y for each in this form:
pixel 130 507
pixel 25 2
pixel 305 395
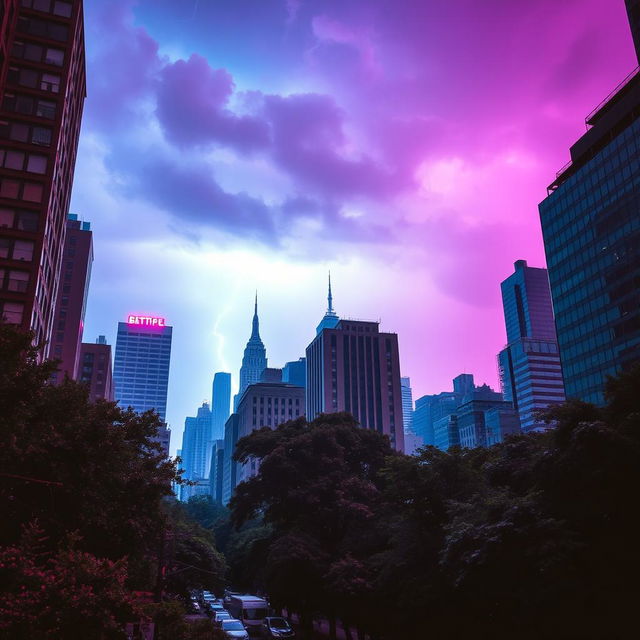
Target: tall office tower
pixel 72 297
pixel 220 403
pixel 141 367
pixel 407 404
pixel 266 404
pixel 230 466
pixel 530 371
pixel 330 319
pixel 355 368
pixel 197 444
pixel 94 369
pixel 591 230
pixel 463 384
pixel 42 99
pixel 295 373
pixel 429 409
pixel 254 360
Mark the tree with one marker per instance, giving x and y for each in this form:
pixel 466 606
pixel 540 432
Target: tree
pixel 316 490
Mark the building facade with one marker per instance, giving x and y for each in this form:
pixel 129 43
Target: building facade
pixel 220 403
pixel 141 366
pixel 254 360
pixel 471 417
pixel 266 404
pixel 295 373
pixel 72 297
pixel 356 368
pixel 530 369
pixel 95 369
pixel 230 466
pixel 197 443
pixel 43 91
pixel 216 473
pixel 407 404
pixel 591 230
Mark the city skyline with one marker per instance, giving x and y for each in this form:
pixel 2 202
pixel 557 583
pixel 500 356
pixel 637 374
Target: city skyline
pixel 453 216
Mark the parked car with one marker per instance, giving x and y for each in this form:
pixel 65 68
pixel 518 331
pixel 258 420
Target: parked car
pixel 273 627
pixel 234 629
pixel 219 616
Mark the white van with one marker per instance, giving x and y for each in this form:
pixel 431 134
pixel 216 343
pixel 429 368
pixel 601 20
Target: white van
pixel 250 610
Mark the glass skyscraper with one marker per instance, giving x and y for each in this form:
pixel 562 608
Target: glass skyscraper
pixel 141 366
pixel 591 229
pixel 530 372
pixel 220 403
pixel 254 360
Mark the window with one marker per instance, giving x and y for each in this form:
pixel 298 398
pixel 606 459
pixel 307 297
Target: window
pixel 32 192
pixel 50 82
pixel 62 9
pixel 54 56
pixel 41 136
pixel 11 312
pixel 6 218
pixel 46 109
pixel 27 221
pixel 18 281
pixel 18 132
pixel 23 250
pixel 11 159
pixel 27 78
pixel 37 164
pixel 9 188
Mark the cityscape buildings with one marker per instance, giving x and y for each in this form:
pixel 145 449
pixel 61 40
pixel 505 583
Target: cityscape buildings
pixel 591 229
pixel 72 297
pixel 216 473
pixel 95 369
pixel 230 466
pixel 295 373
pixel 42 96
pixel 330 319
pixel 141 366
pixel 354 367
pixel 254 360
pixel 197 445
pixel 407 404
pixel 530 371
pixel 220 403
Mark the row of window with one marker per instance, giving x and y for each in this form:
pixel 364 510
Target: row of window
pixel 22 132
pixel 16 249
pixel 56 7
pixel 43 28
pixel 21 190
pixel 14 280
pixel 32 79
pixel 29 106
pixel 33 52
pixel 18 219
pixel 21 161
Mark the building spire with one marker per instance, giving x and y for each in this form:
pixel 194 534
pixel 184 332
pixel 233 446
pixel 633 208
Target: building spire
pixel 255 331
pixel 330 297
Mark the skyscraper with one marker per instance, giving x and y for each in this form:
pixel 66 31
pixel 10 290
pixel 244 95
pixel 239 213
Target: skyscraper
pixel 530 371
pixel 43 93
pixel 197 444
pixel 94 369
pixel 330 319
pixel 354 367
pixel 230 466
pixel 407 404
pixel 591 230
pixel 295 372
pixel 220 403
pixel 254 360
pixel 141 367
pixel 72 297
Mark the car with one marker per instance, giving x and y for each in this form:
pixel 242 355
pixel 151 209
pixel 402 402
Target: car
pixel 274 627
pixel 234 629
pixel 219 616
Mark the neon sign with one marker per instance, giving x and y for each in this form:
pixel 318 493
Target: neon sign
pixel 146 321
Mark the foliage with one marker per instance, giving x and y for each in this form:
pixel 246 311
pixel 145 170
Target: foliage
pixel 533 538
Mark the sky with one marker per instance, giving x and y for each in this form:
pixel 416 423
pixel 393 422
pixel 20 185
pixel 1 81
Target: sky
pixel 230 146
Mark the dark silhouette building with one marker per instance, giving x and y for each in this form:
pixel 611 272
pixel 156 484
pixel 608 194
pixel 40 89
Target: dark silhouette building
pixel 95 369
pixel 72 297
pixel 42 96
pixel 591 229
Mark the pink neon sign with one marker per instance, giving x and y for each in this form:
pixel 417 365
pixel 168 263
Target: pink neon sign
pixel 146 321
